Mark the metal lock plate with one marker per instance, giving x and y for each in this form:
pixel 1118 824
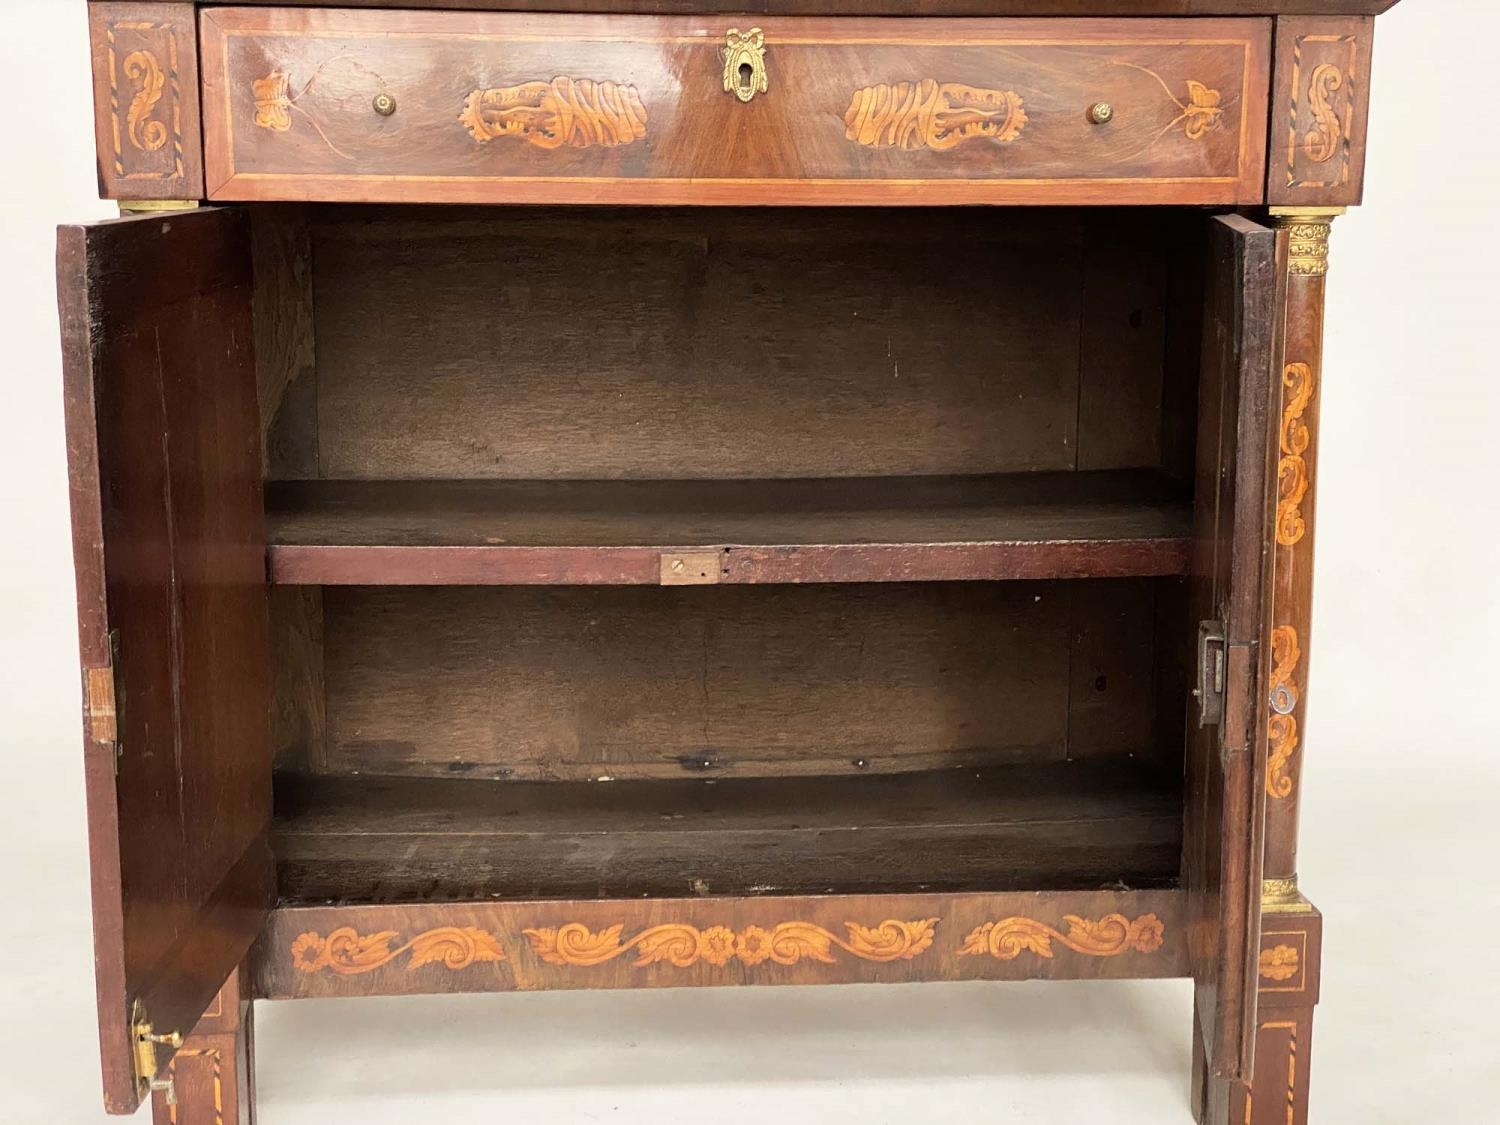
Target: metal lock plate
pixel 1211 659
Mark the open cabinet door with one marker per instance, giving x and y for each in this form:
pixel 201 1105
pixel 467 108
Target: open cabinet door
pixel 169 550
pixel 1232 526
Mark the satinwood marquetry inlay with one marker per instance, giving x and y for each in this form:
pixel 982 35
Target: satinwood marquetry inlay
pixel 145 100
pixel 683 945
pixel 215 1059
pixel 146 134
pixel 349 953
pixel 1297 383
pixel 1322 111
pixel 576 112
pixel 1280 963
pixel 275 101
pixel 1109 936
pixel 932 114
pixel 1282 728
pixel 1201 111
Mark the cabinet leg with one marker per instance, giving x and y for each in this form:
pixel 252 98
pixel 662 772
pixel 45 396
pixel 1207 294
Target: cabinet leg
pixel 1277 1092
pixel 212 1072
pixel 1291 945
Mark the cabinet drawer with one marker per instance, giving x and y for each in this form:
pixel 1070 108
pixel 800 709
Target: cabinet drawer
pixel 470 107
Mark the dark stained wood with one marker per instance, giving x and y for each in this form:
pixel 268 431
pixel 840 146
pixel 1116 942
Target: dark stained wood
pixel 285 348
pixel 1319 111
pixel 146 118
pixel 299 722
pixel 830 530
pixel 1123 328
pixel 595 344
pixel 1151 943
pixel 686 140
pixel 169 544
pixel 1059 826
pixel 1225 801
pixel 729 681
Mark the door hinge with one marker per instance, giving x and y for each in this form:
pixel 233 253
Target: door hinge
pixel 103 698
pixel 145 1039
pixel 1210 690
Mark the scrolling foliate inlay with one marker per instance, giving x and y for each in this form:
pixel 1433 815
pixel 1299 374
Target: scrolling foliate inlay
pixel 145 100
pixel 1322 111
pixel 576 112
pixel 931 114
pixel 1286 653
pixel 683 945
pixel 142 68
pixel 1109 936
pixel 1297 383
pixel 349 953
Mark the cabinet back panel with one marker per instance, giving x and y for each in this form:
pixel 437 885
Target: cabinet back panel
pixel 582 683
pixel 529 343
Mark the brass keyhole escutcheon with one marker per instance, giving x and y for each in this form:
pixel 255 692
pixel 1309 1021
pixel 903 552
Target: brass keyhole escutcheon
pixel 1101 113
pixel 385 104
pixel 745 63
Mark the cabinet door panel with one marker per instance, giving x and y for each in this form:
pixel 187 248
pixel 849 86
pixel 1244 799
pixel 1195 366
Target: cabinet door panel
pixel 164 467
pixel 1225 802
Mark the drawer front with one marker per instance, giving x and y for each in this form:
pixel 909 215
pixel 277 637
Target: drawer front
pixel 470 107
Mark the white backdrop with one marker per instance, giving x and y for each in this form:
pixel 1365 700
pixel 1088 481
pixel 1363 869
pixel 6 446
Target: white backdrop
pixel 1402 784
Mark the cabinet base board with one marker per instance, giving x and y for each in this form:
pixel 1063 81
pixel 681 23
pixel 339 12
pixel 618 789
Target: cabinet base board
pixel 384 950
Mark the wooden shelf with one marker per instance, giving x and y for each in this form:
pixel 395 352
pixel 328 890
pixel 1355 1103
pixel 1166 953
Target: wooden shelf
pixel 1055 826
pixel 1042 525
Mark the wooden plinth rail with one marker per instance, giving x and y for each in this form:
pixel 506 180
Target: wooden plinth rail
pixel 521 946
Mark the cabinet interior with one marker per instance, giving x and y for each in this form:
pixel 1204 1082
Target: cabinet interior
pixel 599 380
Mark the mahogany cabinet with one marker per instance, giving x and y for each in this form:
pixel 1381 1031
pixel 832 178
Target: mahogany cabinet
pixel 660 496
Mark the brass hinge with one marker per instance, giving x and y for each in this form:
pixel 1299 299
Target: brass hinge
pixel 145 1040
pixel 129 207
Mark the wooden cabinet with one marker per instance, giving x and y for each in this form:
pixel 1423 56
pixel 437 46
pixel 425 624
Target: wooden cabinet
pixel 503 598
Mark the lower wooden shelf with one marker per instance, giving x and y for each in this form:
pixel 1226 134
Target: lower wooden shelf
pixel 861 529
pixel 1062 825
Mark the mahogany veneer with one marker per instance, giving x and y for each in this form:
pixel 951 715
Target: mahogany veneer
pixel 758 576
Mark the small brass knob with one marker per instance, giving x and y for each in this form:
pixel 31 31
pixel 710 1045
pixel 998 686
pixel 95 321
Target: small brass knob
pixel 385 104
pixel 1101 113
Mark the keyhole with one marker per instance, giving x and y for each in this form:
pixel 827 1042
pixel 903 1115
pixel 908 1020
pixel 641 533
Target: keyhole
pixel 747 75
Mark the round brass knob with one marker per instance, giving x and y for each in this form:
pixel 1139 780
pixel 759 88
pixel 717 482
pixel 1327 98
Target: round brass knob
pixel 1101 113
pixel 385 105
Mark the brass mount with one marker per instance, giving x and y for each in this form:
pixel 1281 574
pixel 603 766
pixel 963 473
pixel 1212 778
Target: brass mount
pixel 145 1039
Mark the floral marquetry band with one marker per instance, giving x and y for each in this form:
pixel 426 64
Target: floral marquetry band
pixel 348 953
pixel 683 945
pixel 1110 936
